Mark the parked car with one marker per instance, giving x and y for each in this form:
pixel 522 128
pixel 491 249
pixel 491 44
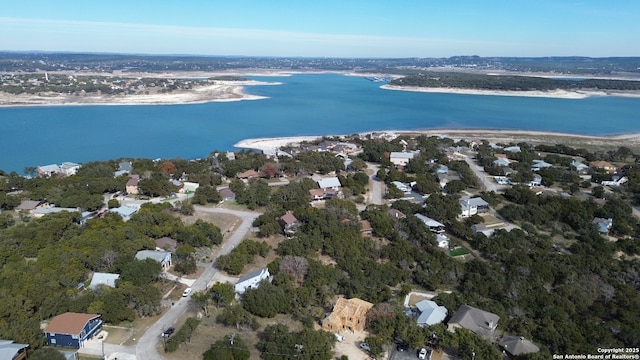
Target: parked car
pixel 168 332
pixel 364 346
pixel 402 347
pixel 186 292
pixel 424 354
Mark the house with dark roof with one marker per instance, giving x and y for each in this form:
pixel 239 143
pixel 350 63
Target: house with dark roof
pixel 251 280
pixel 227 194
pixel 518 345
pixel 132 185
pixel 166 244
pixel 396 214
pixel 72 329
pixel 480 322
pixel 289 223
pixel 10 350
pixel 30 205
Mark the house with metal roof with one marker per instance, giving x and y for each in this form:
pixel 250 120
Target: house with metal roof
pixel 472 206
pixel 72 329
pixel 430 313
pixel 125 211
pixel 433 225
pixel 106 279
pixel 251 280
pixel 10 350
pixel 329 183
pixel 163 257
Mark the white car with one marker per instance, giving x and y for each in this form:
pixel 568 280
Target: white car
pixel 424 354
pixel 186 292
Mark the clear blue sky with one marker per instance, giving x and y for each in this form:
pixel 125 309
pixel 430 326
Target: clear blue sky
pixel 345 28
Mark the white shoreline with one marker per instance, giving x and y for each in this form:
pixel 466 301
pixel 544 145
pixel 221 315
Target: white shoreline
pixel 557 94
pixel 270 144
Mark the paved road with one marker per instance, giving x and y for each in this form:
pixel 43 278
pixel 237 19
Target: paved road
pixel 488 183
pixel 376 185
pixel 146 346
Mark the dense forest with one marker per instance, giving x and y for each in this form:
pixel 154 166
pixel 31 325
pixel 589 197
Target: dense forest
pixel 554 279
pixel 461 80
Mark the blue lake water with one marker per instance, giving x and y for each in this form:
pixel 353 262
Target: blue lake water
pixel 304 105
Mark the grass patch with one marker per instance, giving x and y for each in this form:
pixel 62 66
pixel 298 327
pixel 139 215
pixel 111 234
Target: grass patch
pixel 458 252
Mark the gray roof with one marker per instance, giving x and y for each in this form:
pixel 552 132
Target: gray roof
pixel 28 204
pixel 252 275
pixel 402 155
pixel 429 221
pixel 430 312
pixel 124 211
pixel 158 256
pixel 517 345
pixel 107 279
pixel 481 322
pixel 52 210
pixel 473 202
pixel 9 349
pixel 331 182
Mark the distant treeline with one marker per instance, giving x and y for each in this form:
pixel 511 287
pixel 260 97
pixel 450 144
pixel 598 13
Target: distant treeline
pixel 510 83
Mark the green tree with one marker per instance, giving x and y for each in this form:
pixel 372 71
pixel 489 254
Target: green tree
pixel 222 294
pixel 231 347
pixel 46 353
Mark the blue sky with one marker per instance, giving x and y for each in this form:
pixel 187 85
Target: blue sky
pixel 347 28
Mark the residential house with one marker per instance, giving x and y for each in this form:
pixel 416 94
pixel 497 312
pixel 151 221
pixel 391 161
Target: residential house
pixel 537 181
pixel 289 223
pixel 488 229
pixel 517 345
pixel 442 169
pixel 10 350
pixel 603 225
pixel 540 164
pixel 227 194
pixel 125 211
pixel 604 165
pixel 42 211
pixel 445 178
pixel 163 257
pixel 124 168
pixel 48 170
pixel 365 228
pixel 501 161
pixel 105 279
pixel 402 187
pixel 69 168
pixel 248 175
pixel 132 185
pixel 72 329
pixel 321 194
pixel 433 225
pixel 347 314
pixel 615 181
pixel 480 322
pixel 396 214
pixel 166 244
pixel 443 241
pixel 513 149
pixel 580 167
pixel 251 280
pixel 472 206
pixel 401 159
pixel 30 205
pixel 329 183
pixel 430 313
pixel 189 187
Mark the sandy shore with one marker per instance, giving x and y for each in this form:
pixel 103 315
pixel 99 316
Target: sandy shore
pixel 559 94
pixel 499 135
pixel 221 91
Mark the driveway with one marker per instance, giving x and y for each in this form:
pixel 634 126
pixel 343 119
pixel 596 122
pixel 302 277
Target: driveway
pixel 146 347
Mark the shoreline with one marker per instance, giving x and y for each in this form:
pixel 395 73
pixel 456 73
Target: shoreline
pixel 270 144
pixel 556 94
pixel 222 91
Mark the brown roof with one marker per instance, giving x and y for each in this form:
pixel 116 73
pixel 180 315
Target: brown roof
pixel 166 243
pixel 133 180
pixel 500 156
pixel 288 218
pixel 69 323
pixel 396 214
pixel 248 174
pixel 351 308
pixel 316 192
pixel 226 193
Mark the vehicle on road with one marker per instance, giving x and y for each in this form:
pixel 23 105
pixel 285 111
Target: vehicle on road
pixel 424 354
pixel 364 346
pixel 186 292
pixel 168 332
pixel 402 347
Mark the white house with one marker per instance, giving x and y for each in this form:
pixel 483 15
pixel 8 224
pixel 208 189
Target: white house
pixel 329 183
pixel 106 279
pixel 433 225
pixel 471 206
pixel 189 187
pixel 443 241
pixel 69 168
pixel 398 158
pixel 251 280
pixel 402 186
pixel 163 257
pixel 48 170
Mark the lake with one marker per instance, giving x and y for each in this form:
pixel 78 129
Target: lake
pixel 309 104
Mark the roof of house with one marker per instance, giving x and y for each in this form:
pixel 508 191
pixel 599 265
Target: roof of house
pixel 248 174
pixel 100 278
pixel 351 307
pixel 124 211
pixel 166 243
pixel 603 224
pixel 501 162
pixel 288 218
pixel 518 345
pixel 158 256
pixel 125 166
pixel 49 168
pixel 9 349
pixel 133 180
pixel 69 323
pixel 514 149
pixel 227 193
pixel 68 165
pixel 264 272
pixel 479 321
pixel 52 210
pixel 316 192
pixel 402 155
pixel 473 202
pixel 430 312
pixel 28 204
pixel 331 182
pixel 429 221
